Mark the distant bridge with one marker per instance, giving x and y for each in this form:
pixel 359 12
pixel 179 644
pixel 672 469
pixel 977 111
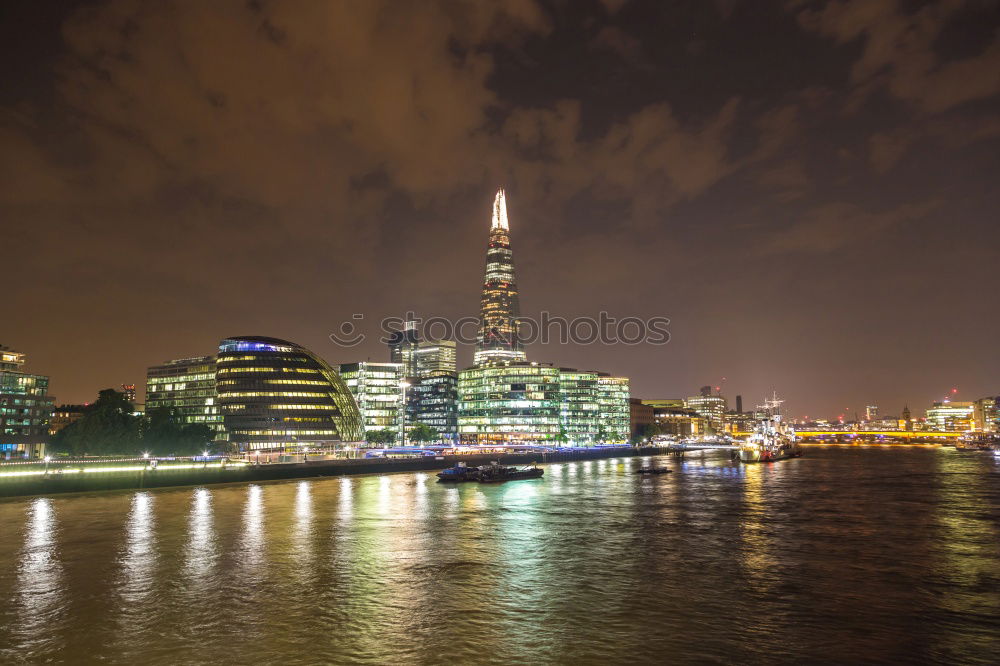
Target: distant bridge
pixel 887 434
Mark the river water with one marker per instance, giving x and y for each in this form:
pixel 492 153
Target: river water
pixel 847 554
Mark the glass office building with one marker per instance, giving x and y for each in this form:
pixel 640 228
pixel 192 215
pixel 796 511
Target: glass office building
pixel 954 416
pixel 534 403
pixel 578 406
pixel 402 347
pixel 498 338
pixel 378 389
pixel 515 403
pixel 25 408
pixel 614 415
pixel 275 395
pixel 434 357
pixel 433 400
pixel 186 385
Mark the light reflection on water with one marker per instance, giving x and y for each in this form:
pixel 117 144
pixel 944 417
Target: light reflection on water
pixel 876 555
pixel 138 561
pixel 39 586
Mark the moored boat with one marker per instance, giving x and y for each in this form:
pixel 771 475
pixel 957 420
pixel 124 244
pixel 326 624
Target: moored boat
pixel 492 473
pixel 771 440
pixel 460 472
pixel 496 473
pixel 978 441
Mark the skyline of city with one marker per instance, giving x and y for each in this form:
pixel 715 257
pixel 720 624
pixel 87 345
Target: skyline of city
pixel 499 309
pixel 813 212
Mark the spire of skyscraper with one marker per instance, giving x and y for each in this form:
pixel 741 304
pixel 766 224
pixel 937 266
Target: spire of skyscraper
pixel 500 211
pixel 498 339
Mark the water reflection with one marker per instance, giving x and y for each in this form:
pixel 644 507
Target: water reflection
pixel 139 558
pixel 715 562
pixel 39 586
pixel 345 505
pixel 755 555
pixel 252 541
pixel 201 551
pixel 302 550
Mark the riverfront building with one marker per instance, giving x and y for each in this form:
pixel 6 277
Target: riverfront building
pixel 275 395
pixel 498 339
pixel 950 416
pixel 378 389
pixel 433 400
pixel 640 418
pixel 187 386
pixel 536 403
pixel 614 413
pixel 985 415
pixel 675 419
pixel 516 403
pixel 710 407
pixel 25 408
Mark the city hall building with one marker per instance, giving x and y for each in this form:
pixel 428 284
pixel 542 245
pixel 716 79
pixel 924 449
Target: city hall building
pixel 275 395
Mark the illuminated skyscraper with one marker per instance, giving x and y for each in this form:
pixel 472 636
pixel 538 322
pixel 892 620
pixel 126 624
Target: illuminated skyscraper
pixel 434 357
pixel 402 345
pixel 498 340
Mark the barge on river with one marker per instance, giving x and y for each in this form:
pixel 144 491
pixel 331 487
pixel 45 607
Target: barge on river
pixel 492 473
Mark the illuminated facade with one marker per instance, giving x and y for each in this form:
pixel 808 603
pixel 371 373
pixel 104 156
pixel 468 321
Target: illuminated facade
pixel 25 408
pixel 276 395
pixel 985 415
pixel 402 346
pixel 614 414
pixel 433 400
pixel 434 357
pixel 578 406
pixel 534 403
pixel 517 403
pixel 186 385
pixel 710 407
pixel 378 390
pixel 498 337
pixel 678 421
pixel 950 416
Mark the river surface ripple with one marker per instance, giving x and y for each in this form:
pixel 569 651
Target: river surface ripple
pixel 849 554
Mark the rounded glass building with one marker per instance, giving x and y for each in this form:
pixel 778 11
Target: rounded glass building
pixel 275 395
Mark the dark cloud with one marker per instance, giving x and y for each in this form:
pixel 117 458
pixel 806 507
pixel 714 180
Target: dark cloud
pixel 176 172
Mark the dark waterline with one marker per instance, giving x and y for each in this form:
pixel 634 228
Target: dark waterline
pixel 846 555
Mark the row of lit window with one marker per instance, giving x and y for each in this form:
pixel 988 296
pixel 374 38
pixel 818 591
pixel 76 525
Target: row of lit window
pixel 296 382
pixel 173 379
pixel 273 394
pixel 254 357
pixel 223 371
pixel 287 433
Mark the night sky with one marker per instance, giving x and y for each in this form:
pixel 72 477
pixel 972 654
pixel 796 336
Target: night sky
pixel 808 190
